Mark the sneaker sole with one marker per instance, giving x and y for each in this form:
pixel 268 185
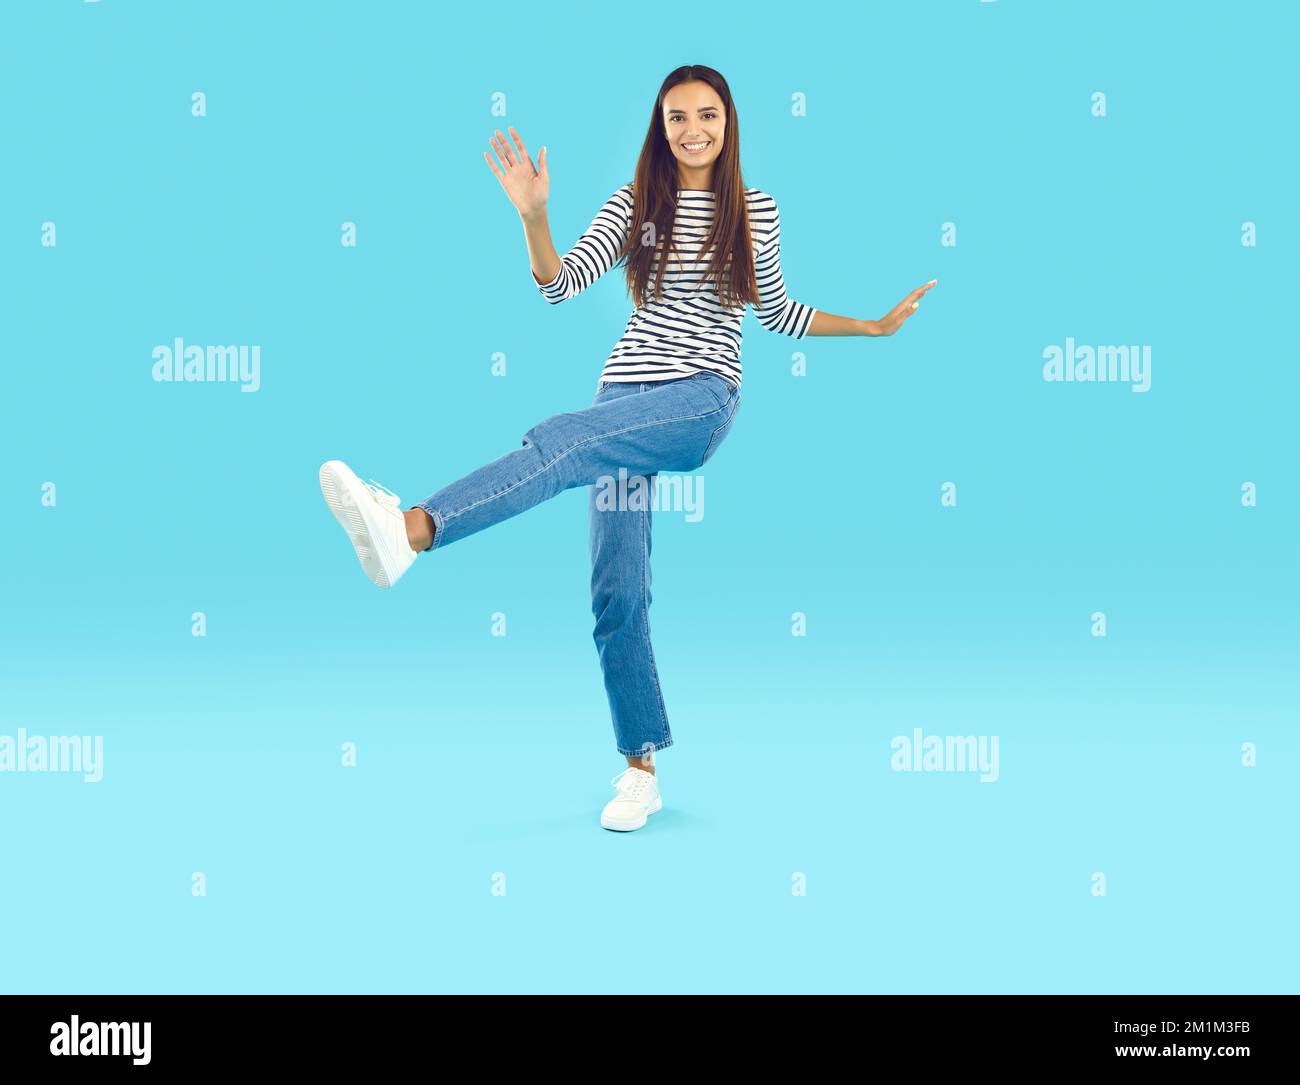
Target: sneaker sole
pixel 336 483
pixel 625 826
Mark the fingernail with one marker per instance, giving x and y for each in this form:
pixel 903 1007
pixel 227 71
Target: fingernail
pixel 915 304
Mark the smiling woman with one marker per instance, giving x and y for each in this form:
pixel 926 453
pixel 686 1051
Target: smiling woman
pixel 697 246
pixel 691 153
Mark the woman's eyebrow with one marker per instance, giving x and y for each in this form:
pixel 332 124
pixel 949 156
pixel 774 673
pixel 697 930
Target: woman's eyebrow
pixel 702 109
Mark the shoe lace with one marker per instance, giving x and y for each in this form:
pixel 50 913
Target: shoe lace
pixel 382 493
pixel 631 786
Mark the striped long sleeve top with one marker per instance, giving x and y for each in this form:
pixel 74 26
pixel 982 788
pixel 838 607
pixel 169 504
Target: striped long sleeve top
pixel 686 330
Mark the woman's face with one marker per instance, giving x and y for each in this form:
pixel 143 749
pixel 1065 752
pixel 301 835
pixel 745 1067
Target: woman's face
pixel 694 124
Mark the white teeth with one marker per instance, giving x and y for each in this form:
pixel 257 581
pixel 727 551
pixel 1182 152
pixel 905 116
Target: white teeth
pixel 696 146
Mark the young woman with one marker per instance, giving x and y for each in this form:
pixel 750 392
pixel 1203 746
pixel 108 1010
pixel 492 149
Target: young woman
pixel 667 394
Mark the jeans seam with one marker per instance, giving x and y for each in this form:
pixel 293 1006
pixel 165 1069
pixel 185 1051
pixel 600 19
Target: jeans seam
pixel 645 628
pixel 708 449
pixel 579 444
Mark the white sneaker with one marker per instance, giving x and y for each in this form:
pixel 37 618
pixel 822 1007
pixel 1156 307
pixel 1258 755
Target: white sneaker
pixel 372 517
pixel 637 798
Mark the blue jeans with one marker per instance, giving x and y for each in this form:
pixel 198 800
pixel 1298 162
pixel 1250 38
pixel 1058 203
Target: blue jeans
pixel 644 428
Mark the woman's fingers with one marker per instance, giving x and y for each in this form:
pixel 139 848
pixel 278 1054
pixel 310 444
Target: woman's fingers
pixel 523 151
pixel 503 148
pixel 894 319
pixel 919 292
pixel 912 302
pixel 492 142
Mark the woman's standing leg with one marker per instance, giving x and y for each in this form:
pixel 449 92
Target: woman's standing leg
pixel 620 602
pixel 620 519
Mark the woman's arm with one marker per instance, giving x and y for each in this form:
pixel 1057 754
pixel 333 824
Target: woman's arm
pixel 594 253
pixel 824 323
pixel 542 257
pixel 776 310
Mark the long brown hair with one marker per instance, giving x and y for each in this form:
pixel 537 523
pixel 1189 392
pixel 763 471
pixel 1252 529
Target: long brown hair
pixel 654 201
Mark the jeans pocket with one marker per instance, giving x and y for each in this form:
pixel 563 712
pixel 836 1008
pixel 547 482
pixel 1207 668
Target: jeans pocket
pixel 720 389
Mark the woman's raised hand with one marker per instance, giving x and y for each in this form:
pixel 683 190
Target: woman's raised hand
pixel 528 188
pixel 893 320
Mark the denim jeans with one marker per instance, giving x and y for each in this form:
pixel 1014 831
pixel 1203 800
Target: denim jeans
pixel 644 428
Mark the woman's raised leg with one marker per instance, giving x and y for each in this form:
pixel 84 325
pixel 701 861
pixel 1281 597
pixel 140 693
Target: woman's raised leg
pixel 665 427
pixel 668 425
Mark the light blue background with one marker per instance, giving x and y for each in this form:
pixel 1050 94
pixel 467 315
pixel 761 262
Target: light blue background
pixel 480 754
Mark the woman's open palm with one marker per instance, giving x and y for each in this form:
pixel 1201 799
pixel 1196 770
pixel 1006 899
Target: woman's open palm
pixel 528 188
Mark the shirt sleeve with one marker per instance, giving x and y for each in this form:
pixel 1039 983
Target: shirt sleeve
pixel 594 253
pixel 776 311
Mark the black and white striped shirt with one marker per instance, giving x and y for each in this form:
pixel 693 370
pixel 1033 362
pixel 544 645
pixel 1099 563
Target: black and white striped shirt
pixel 686 330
